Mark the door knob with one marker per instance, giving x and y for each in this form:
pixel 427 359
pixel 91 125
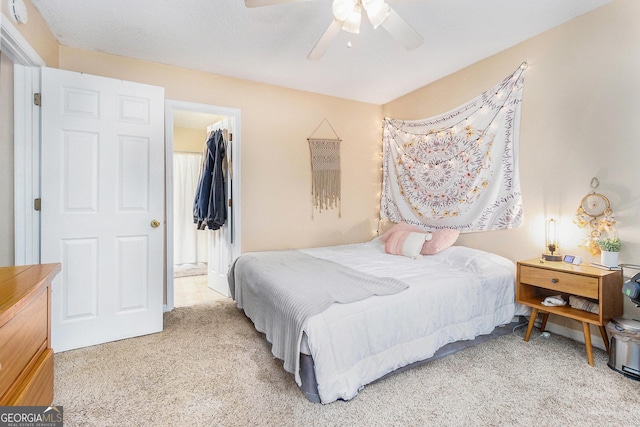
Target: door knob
pixel 155 223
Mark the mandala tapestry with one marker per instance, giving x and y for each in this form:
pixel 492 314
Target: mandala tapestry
pixel 460 169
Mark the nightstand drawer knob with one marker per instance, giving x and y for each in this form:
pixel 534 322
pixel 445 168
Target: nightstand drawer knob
pixel 554 280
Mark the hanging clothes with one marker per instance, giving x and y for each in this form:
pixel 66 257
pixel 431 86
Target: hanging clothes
pixel 209 206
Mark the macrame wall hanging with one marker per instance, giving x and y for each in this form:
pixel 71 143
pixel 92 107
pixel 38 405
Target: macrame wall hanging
pixel 325 171
pixel 459 169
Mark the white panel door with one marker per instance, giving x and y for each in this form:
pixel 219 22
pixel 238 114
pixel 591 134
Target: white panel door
pixel 102 191
pixel 220 260
pixel 220 244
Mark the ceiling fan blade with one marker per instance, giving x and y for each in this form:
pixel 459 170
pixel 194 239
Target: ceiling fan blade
pixel 260 3
pixel 401 31
pixel 323 44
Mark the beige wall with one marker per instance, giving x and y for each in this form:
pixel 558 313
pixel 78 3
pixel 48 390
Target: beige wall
pixel 189 140
pixel 276 176
pixel 580 106
pixel 6 162
pixel 36 32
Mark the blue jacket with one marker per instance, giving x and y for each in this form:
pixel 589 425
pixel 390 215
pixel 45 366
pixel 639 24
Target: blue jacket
pixel 210 203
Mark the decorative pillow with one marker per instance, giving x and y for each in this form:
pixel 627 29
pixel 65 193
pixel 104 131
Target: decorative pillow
pixel 401 226
pixel 406 243
pixel 441 240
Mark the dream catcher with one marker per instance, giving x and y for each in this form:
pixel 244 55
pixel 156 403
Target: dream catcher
pixel 595 213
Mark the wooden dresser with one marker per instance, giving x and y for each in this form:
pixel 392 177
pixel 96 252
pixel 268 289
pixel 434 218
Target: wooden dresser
pixel 26 357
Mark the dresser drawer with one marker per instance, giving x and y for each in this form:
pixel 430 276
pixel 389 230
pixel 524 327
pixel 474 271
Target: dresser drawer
pixel 22 338
pixel 36 389
pixel 562 282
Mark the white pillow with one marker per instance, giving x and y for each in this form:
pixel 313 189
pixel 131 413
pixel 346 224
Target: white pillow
pixel 406 243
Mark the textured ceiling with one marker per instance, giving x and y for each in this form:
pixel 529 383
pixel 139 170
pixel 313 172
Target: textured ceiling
pixel 270 44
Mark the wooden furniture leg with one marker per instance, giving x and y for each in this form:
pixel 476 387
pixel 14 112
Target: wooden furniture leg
pixel 535 279
pixel 603 332
pixel 545 316
pixel 532 321
pixel 587 342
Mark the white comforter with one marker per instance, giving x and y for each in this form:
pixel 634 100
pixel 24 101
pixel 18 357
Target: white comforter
pixel 455 295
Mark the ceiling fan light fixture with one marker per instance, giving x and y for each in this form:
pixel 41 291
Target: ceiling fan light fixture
pixel 348 17
pixel 352 23
pixel 377 11
pixel 343 8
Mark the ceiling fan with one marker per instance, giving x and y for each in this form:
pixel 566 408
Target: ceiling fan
pixel 348 15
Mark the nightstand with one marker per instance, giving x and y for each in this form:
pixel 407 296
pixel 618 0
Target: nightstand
pixel 536 280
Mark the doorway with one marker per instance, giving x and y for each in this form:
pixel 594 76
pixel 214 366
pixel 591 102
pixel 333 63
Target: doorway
pixel 198 260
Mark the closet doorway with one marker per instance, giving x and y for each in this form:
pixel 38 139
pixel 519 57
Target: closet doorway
pixel 198 258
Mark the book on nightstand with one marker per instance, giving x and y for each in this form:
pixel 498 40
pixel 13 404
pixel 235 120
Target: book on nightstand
pixel 604 267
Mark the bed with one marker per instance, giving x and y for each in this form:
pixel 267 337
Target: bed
pixel 412 308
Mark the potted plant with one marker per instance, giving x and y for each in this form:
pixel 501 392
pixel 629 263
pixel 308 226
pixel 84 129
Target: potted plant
pixel 609 248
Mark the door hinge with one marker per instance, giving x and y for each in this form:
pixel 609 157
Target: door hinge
pixel 230 137
pixel 36 204
pixel 37 99
pixel 230 202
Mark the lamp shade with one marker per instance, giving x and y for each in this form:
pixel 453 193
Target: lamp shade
pixel 552 251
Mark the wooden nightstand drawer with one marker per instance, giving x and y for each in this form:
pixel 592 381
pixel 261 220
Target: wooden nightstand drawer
pixel 22 338
pixel 562 282
pixel 536 280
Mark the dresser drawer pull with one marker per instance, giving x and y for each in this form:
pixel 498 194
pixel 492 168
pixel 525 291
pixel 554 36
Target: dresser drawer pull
pixel 554 280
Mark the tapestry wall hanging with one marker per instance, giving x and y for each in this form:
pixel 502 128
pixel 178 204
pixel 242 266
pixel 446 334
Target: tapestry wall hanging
pixel 325 172
pixel 459 169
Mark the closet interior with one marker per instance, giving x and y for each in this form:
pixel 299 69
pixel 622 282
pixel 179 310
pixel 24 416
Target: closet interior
pixel 195 246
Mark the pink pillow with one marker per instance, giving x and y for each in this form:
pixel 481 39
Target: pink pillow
pixel 406 243
pixel 401 226
pixel 441 240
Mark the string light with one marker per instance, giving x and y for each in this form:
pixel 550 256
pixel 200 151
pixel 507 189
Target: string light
pixel 454 128
pixel 428 152
pixel 509 86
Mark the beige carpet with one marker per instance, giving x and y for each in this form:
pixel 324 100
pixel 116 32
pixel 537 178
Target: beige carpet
pixel 211 368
